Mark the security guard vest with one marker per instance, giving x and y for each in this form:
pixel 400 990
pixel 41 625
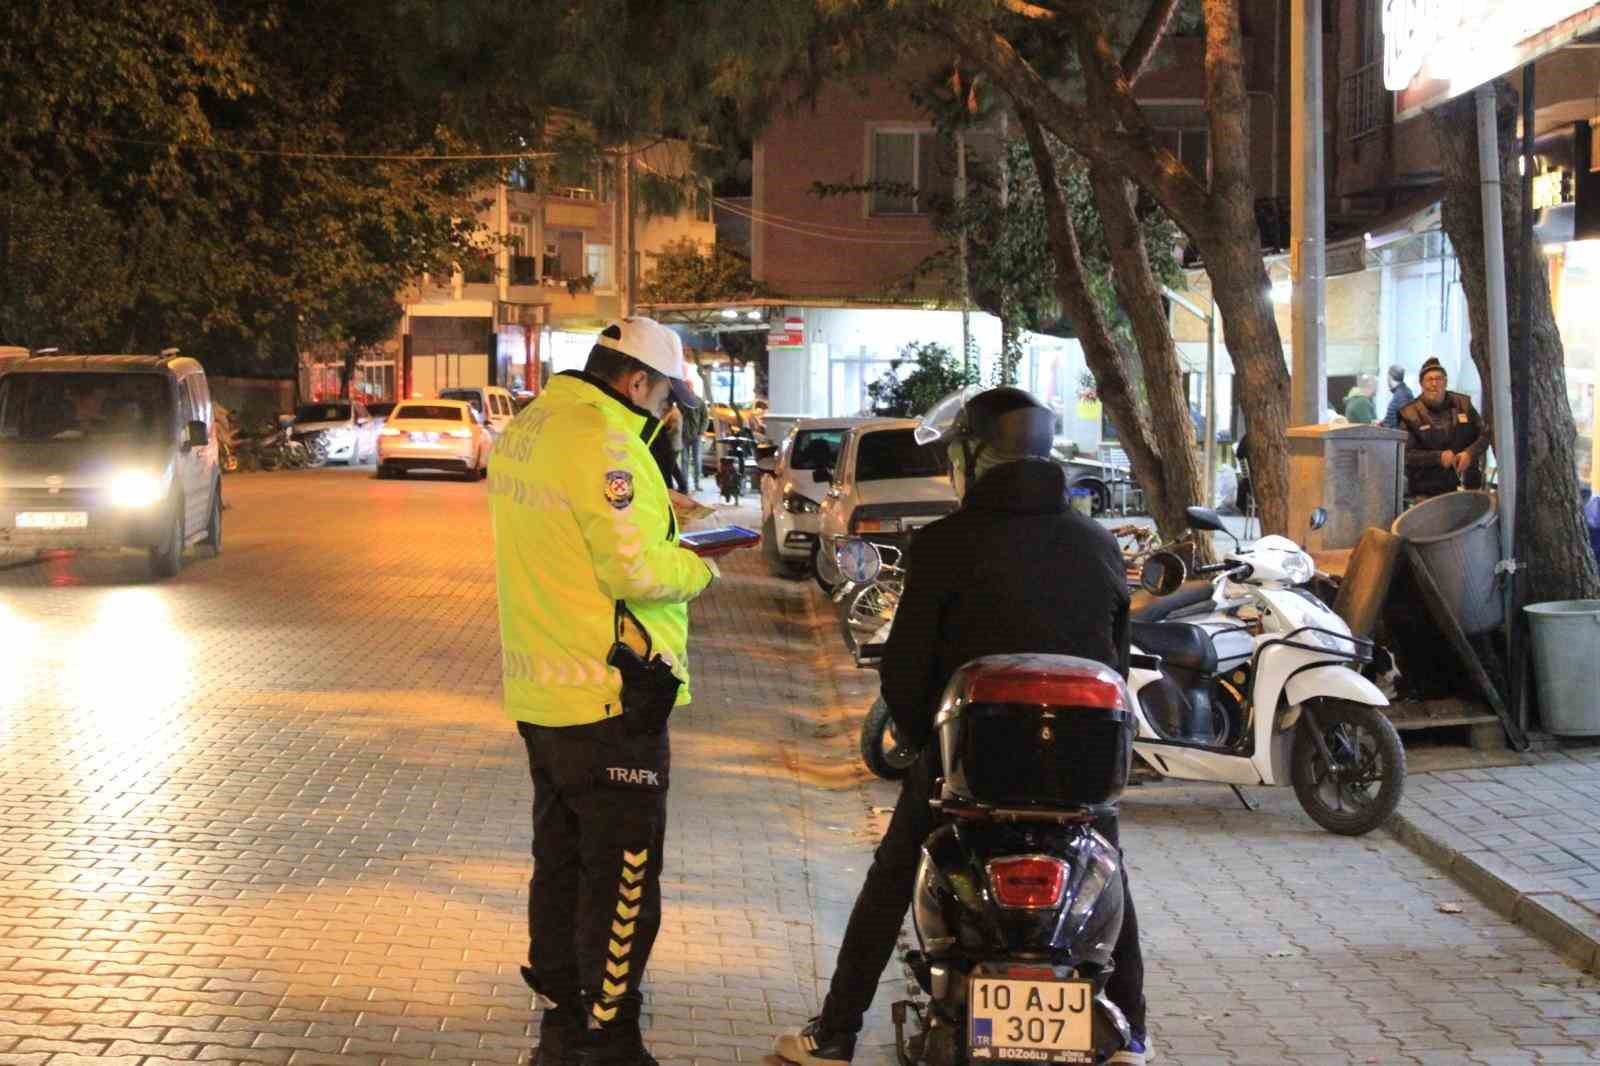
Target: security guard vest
pixel 583 527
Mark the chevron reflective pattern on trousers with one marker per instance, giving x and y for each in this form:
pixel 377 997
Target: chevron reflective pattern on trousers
pixel 631 891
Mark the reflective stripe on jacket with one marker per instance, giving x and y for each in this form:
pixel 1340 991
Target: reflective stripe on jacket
pixel 582 523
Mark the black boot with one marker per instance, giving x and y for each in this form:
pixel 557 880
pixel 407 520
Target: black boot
pixel 561 1030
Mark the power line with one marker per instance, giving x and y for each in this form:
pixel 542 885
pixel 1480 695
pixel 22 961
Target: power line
pixel 818 235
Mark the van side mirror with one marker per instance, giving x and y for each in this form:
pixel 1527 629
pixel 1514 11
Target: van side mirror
pixel 198 436
pixel 822 476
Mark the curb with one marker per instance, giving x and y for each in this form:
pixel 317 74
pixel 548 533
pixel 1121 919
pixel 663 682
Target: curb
pixel 1571 929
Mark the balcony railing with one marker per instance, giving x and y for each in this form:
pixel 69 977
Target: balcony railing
pixel 1364 107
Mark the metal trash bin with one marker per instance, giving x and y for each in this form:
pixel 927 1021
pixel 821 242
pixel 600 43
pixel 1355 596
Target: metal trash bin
pixel 1458 536
pixel 1566 635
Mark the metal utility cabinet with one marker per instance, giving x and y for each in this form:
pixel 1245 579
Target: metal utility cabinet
pixel 1357 472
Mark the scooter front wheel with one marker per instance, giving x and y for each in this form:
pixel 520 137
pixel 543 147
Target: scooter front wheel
pixel 1352 781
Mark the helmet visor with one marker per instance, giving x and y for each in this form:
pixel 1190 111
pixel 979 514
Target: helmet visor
pixel 943 418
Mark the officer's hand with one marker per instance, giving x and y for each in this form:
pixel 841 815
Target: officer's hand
pixel 1463 461
pixel 1447 459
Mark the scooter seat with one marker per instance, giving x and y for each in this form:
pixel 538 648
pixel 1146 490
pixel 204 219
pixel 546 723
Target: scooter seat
pixel 1179 644
pixel 1146 608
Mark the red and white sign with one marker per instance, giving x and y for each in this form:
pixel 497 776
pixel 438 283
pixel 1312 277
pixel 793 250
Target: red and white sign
pixel 1436 49
pixel 792 335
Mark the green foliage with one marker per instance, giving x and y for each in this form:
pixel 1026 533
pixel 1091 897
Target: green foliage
pixel 685 274
pixel 169 137
pixel 935 374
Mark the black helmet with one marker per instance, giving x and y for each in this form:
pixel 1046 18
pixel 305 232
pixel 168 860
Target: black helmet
pixel 1006 419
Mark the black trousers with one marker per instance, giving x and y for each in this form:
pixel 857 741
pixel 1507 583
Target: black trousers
pixel 880 910
pixel 594 902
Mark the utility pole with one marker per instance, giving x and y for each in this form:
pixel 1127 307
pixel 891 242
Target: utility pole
pixel 966 292
pixel 628 279
pixel 1308 263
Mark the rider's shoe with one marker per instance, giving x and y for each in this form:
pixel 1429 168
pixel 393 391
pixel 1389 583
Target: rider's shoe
pixel 1136 1053
pixel 815 1046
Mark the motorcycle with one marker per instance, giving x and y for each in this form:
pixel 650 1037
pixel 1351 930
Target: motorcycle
pixel 315 444
pixel 1265 688
pixel 734 465
pixel 1018 899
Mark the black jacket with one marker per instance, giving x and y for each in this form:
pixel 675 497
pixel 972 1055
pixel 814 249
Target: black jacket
pixel 1015 570
pixel 1455 427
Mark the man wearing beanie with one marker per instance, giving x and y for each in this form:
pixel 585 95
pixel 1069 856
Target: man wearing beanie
pixel 1448 437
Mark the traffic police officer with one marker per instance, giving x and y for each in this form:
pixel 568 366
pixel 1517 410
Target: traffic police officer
pixel 593 591
pixel 1448 437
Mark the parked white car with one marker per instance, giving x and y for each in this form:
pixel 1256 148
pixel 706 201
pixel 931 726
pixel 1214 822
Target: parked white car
pixel 434 435
pixel 496 405
pixel 791 495
pixel 886 486
pixel 349 429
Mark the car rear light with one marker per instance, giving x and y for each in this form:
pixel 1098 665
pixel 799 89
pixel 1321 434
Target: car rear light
pixel 387 432
pixel 1033 882
pixel 1047 688
pixel 876 525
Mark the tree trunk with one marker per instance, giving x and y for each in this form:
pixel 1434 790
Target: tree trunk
pixel 1231 247
pixel 1104 357
pixel 1551 538
pixel 1141 298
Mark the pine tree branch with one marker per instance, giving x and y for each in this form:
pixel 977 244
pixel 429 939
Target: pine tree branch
pixel 1096 137
pixel 1147 39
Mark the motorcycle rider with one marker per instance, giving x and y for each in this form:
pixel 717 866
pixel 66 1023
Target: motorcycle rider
pixel 1014 570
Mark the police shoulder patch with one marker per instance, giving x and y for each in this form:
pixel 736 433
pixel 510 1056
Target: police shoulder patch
pixel 619 488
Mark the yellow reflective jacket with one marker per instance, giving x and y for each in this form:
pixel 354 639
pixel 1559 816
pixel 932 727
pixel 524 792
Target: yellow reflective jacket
pixel 583 526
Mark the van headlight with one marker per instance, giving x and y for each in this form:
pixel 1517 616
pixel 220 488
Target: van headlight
pixel 135 489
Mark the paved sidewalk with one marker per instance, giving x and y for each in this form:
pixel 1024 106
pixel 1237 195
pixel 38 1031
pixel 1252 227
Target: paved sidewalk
pixel 1525 838
pixel 270 812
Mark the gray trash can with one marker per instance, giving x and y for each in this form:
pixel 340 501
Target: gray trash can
pixel 1566 654
pixel 1458 536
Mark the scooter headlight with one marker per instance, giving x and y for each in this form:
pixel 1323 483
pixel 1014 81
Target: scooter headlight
pixel 1299 568
pixel 136 489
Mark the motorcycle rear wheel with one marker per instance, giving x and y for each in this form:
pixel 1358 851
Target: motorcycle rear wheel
pixel 1363 788
pixel 881 749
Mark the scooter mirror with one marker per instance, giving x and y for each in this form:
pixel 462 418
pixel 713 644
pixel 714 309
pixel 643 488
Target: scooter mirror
pixel 859 560
pixel 1204 518
pixel 1319 518
pixel 1162 573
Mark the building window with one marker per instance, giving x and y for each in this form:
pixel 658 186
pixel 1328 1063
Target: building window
pixel 563 255
pixel 597 264
pixel 914 164
pixel 1191 146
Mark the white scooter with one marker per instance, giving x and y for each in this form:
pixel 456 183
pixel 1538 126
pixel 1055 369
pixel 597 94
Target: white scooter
pixel 1264 688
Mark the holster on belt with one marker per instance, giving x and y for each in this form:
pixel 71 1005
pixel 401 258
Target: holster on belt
pixel 649 687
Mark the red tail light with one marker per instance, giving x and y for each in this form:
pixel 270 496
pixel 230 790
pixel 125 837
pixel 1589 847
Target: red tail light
pixel 1033 882
pixel 1099 687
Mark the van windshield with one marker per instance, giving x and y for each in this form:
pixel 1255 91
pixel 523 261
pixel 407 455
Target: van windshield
pixel 471 396
pixel 72 407
pixel 816 449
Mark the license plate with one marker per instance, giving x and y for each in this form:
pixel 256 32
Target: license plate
pixel 53 520
pixel 1031 1021
pixel 424 438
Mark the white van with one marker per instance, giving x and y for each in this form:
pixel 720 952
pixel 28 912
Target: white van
pixel 495 404
pixel 105 452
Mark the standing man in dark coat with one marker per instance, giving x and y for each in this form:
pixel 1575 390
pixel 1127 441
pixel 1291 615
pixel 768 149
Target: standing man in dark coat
pixel 1400 394
pixel 1448 437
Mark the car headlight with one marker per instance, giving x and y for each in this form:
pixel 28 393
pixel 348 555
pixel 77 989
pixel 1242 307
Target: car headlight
pixel 136 489
pixel 795 503
pixel 859 524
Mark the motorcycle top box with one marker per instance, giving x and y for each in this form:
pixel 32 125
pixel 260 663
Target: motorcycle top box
pixel 1036 731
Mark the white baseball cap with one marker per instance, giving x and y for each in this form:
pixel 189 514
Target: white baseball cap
pixel 654 345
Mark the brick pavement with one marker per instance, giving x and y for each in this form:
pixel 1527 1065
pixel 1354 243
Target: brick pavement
pixel 308 843
pixel 1526 836
pixel 270 812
